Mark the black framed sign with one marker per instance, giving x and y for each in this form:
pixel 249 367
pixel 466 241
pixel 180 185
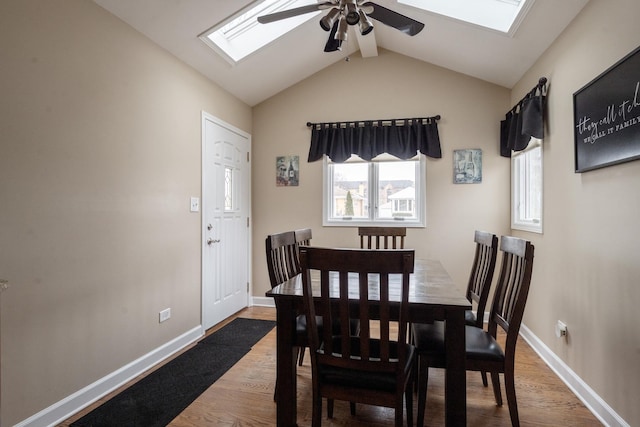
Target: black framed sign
pixel 606 114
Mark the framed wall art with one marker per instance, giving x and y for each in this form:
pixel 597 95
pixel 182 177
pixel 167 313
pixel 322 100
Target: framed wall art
pixel 606 114
pixel 287 171
pixel 467 166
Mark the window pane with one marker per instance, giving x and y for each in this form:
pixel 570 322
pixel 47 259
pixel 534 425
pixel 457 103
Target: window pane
pixel 383 191
pixel 396 190
pixel 228 189
pixel 527 190
pixel 350 189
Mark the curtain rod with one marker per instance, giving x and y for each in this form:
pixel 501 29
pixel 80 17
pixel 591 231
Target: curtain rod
pixel 541 83
pixel 309 124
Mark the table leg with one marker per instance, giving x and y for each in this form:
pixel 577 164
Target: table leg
pixel 455 375
pixel 286 364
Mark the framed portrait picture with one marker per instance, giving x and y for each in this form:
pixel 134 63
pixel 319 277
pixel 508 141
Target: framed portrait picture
pixel 287 171
pixel 467 166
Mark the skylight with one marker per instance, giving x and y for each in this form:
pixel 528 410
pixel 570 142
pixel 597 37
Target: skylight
pixel 241 35
pixel 499 15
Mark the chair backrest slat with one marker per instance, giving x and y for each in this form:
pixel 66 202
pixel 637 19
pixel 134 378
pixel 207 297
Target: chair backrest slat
pixel 482 270
pixel 340 302
pixel 512 288
pixel 374 236
pixel 281 257
pixel 303 238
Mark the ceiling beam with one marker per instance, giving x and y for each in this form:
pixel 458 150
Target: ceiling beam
pixel 367 44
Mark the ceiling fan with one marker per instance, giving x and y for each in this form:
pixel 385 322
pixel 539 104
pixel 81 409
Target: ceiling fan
pixel 343 13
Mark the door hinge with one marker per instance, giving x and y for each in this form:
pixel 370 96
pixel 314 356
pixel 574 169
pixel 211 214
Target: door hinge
pixel 247 287
pixel 247 222
pixel 247 157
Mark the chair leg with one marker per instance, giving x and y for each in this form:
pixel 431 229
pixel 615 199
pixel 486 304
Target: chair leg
pixel 352 407
pixel 399 416
pixel 329 408
pixel 484 379
pixel 408 397
pixel 510 390
pixel 495 380
pixel 300 355
pixel 316 411
pixel 423 380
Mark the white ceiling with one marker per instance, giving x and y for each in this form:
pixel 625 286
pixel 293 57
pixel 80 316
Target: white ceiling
pixel 488 55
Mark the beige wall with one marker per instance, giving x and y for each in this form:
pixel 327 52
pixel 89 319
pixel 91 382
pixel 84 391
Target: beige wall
pixel 387 86
pixel 587 268
pixel 100 153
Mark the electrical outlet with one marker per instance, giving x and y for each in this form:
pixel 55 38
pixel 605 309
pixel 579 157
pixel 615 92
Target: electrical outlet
pixel 165 314
pixel 561 329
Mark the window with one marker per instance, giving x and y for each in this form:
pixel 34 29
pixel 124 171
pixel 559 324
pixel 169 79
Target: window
pixel 526 188
pixel 228 189
pixel 241 35
pixel 500 15
pixel 383 191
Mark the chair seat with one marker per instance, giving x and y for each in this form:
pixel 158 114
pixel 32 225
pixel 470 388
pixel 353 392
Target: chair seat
pixel 385 381
pixel 479 344
pixel 301 328
pixel 470 318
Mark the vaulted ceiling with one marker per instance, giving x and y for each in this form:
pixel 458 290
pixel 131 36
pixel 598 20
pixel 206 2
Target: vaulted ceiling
pixel 453 44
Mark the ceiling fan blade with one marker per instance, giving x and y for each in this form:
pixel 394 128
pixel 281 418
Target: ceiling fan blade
pixel 394 19
pixel 332 43
pixel 276 16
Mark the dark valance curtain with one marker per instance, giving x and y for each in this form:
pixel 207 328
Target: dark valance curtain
pixel 525 120
pixel 402 138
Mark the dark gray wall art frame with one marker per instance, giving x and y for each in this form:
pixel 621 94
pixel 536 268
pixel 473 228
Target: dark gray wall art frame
pixel 606 114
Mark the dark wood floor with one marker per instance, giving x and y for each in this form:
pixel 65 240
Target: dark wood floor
pixel 244 395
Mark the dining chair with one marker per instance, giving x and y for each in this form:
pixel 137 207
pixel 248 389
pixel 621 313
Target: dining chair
pixel 380 237
pixel 282 264
pixel 482 269
pixel 484 263
pixel 374 369
pixel 480 278
pixel 483 352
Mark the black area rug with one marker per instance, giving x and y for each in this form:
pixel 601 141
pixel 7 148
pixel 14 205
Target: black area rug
pixel 159 397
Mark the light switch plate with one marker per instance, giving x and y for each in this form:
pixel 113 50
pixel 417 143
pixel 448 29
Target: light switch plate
pixel 195 204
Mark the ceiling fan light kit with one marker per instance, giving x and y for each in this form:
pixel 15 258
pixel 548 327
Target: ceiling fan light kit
pixel 366 26
pixel 351 12
pixel 343 27
pixel 343 13
pixel 329 19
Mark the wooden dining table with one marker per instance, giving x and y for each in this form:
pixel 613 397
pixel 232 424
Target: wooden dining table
pixel 432 296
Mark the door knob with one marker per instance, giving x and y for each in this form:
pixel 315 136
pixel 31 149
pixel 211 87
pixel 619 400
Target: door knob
pixel 209 227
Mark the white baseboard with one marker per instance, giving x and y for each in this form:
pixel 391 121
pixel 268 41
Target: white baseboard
pixel 263 301
pixel 72 404
pixel 586 394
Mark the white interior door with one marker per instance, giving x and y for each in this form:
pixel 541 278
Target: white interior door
pixel 226 190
